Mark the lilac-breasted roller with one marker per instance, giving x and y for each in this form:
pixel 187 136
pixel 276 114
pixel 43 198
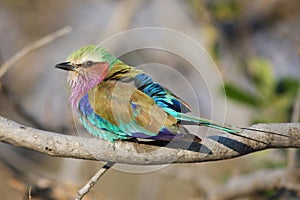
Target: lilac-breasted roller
pixel 115 101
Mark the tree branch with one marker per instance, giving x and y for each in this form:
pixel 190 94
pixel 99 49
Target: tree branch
pixel 216 147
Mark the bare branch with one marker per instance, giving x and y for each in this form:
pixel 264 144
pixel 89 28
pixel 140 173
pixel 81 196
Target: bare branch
pixel 217 147
pixel 32 46
pixel 86 188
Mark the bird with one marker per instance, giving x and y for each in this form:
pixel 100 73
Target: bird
pixel 115 101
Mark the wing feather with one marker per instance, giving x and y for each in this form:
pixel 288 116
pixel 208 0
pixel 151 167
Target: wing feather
pixel 123 105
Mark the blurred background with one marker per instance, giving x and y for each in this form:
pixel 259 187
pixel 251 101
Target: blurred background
pixel 255 45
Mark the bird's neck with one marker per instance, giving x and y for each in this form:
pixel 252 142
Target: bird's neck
pixel 81 84
pixel 78 90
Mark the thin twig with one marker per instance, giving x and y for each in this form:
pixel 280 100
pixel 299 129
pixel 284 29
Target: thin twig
pixel 88 186
pixel 32 46
pixel 29 193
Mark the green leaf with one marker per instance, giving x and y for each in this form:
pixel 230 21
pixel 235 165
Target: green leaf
pixel 225 10
pixel 262 74
pixel 241 95
pixel 277 110
pixel 287 85
pixel 216 50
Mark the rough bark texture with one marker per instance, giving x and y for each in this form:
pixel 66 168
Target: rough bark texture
pixel 216 147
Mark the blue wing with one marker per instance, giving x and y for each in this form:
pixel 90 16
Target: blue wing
pixel 162 96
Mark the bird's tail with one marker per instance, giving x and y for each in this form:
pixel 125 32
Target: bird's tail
pixel 234 130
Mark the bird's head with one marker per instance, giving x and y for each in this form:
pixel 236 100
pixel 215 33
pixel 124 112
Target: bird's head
pixel 87 66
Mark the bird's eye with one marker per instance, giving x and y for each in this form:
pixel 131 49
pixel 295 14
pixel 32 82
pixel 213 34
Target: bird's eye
pixel 89 63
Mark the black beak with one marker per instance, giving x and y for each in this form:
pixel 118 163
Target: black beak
pixel 65 66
